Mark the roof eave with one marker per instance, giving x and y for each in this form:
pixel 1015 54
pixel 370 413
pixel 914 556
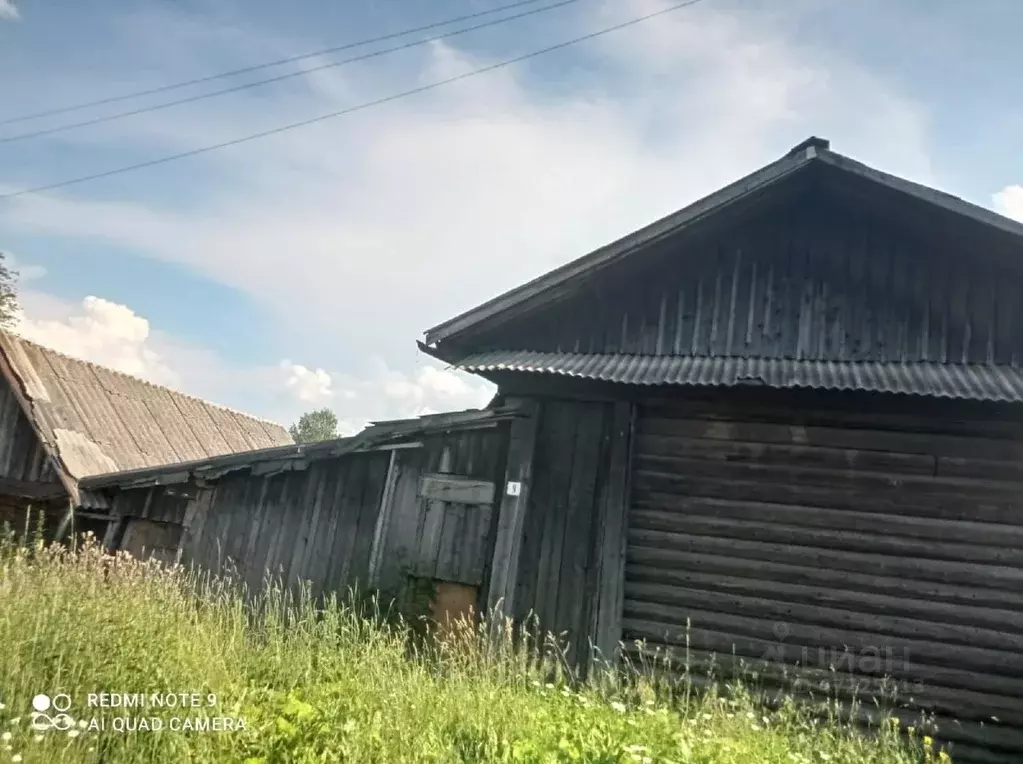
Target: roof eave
pixel 932 196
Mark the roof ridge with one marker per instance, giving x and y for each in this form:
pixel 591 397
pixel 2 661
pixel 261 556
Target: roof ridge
pixel 93 365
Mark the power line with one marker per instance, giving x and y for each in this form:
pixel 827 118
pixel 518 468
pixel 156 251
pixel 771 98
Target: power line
pixel 257 67
pixel 289 75
pixel 352 109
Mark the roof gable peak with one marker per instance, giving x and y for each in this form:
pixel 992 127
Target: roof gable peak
pixel 812 152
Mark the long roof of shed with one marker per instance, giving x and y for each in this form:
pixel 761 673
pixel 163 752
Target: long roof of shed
pixel 376 436
pixel 94 420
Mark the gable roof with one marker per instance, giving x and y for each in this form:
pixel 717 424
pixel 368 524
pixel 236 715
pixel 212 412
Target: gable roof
pixel 813 153
pixel 93 420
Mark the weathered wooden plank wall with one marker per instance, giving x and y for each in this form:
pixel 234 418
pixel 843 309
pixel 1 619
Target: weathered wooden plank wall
pixel 429 537
pixel 21 454
pixel 838 539
pixel 568 573
pixel 314 524
pixel 320 523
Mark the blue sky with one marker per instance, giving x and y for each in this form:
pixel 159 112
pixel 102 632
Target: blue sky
pixel 298 270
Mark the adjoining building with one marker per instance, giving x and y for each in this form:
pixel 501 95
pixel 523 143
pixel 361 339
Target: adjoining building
pixel 782 423
pixel 62 420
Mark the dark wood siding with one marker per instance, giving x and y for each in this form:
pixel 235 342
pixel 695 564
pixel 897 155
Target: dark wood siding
pixel 21 454
pixel 314 524
pixel 838 539
pixel 558 571
pixel 442 540
pixel 819 283
pixel 320 521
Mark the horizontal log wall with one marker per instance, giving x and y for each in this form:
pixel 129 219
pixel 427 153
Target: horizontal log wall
pixel 878 549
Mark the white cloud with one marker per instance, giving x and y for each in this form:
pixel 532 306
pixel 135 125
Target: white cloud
pixel 113 335
pixel 378 393
pixel 433 203
pixel 8 10
pixel 1009 202
pixel 375 226
pixel 307 385
pixel 103 332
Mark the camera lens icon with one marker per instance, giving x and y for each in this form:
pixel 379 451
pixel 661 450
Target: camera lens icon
pixel 42 703
pixel 41 720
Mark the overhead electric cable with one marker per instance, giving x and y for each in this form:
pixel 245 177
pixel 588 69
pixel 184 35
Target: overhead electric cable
pixel 280 77
pixel 351 109
pixel 257 67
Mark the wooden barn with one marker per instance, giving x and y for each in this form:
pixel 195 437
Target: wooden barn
pixel 62 420
pixel 783 424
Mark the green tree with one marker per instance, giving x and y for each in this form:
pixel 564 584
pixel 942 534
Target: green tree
pixel 314 426
pixel 8 294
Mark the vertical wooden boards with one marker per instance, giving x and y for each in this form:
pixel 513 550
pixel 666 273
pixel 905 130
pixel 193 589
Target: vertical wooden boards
pixel 433 524
pixel 512 511
pixel 383 520
pixel 195 523
pixel 401 541
pixel 333 520
pixel 563 536
pixel 368 508
pixel 577 549
pixel 441 510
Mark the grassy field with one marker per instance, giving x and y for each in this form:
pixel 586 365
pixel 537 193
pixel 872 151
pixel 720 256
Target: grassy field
pixel 331 685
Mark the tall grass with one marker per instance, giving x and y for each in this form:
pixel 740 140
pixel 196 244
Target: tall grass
pixel 329 682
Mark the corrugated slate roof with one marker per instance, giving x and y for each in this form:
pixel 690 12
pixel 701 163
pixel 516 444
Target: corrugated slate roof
pixel 96 420
pixel 971 382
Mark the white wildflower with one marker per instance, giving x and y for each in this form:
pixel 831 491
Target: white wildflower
pixel 6 736
pixel 73 733
pixel 16 758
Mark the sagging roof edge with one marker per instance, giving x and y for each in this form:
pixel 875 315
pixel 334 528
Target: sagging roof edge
pixel 811 150
pixel 375 436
